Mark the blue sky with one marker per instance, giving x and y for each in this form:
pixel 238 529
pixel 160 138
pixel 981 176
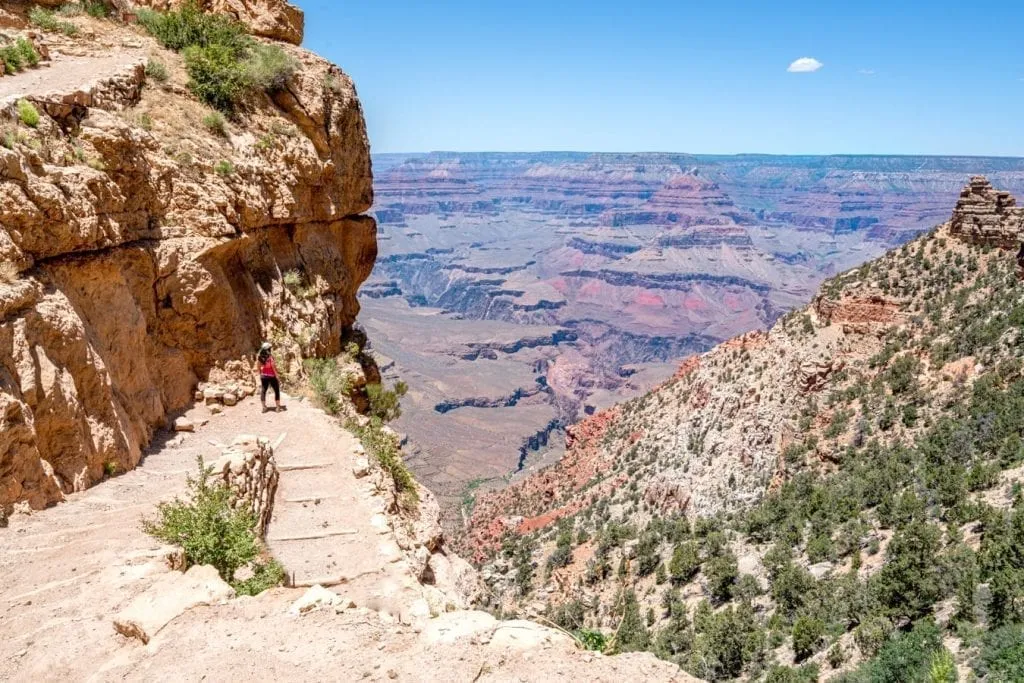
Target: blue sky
pixel 897 77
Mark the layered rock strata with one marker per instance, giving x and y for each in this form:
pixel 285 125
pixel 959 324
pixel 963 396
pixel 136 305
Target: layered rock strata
pixel 984 215
pixel 141 250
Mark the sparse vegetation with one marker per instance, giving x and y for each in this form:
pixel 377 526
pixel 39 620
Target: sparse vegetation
pixel 382 444
pixel 225 66
pixel 385 404
pixel 330 385
pixel 224 168
pixel 894 459
pixel 27 113
pixel 157 70
pixel 48 21
pixel 216 123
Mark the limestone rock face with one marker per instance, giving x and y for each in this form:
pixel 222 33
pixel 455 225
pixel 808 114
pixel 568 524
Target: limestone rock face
pixel 131 269
pixel 984 215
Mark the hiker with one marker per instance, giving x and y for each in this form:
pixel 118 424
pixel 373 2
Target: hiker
pixel 268 377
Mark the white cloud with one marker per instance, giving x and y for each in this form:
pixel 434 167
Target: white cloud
pixel 866 72
pixel 804 65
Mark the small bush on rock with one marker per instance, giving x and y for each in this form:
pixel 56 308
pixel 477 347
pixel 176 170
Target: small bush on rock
pixel 384 403
pixel 216 76
pixel 211 531
pixel 269 67
pixel 27 113
pixel 156 70
pixel 27 51
pixel 191 26
pixel 216 123
pixel 48 21
pixel 329 384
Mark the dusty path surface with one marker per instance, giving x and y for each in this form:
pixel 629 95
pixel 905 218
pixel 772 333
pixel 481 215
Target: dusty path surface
pixel 67 570
pixel 68 73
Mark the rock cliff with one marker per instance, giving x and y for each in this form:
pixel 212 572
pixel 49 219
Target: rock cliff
pixel 142 248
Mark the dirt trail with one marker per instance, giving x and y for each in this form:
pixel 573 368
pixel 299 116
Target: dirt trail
pixel 68 569
pixel 68 73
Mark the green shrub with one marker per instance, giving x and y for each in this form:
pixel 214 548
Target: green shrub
pixel 216 76
pixel 943 668
pixel 268 67
pixel 632 634
pixel 329 384
pixel 224 64
pixel 808 673
pixel 207 526
pixel 27 113
pixel 384 447
pixel 1002 654
pixel 685 562
pixel 384 403
pixel 12 59
pixel 157 70
pixel 27 51
pixel 905 659
pixel 722 572
pixel 807 636
pixel 216 123
pixel 265 575
pixel 591 639
pixel 190 26
pixel 47 21
pixel 224 168
pixel 97 10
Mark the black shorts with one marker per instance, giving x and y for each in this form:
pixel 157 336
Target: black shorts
pixel 270 382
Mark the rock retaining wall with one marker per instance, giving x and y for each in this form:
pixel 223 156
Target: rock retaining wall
pixel 247 466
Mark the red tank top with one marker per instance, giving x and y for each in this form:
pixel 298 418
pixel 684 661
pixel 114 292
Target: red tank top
pixel 267 369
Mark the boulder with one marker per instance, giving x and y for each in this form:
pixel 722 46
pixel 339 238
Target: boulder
pixel 361 467
pixel 169 597
pixel 315 598
pixel 183 424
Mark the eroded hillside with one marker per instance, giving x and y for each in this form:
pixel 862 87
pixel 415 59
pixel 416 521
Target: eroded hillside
pixel 145 238
pixel 819 495
pixel 544 287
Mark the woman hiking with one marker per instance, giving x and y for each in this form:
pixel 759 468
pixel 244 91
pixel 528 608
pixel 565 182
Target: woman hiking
pixel 268 378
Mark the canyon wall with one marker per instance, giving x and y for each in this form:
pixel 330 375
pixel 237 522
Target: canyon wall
pixel 142 249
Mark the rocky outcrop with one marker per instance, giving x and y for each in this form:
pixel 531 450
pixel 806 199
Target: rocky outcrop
pixel 138 257
pixel 984 215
